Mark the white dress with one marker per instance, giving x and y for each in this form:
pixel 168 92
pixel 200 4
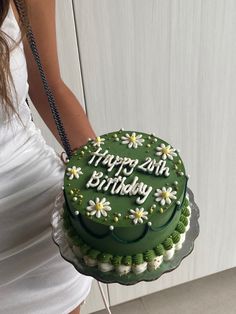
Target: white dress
pixel 34 279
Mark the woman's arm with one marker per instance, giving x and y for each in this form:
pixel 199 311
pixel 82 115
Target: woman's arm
pixel 77 126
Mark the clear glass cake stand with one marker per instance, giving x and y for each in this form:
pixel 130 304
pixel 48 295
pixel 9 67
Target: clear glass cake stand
pixel 66 252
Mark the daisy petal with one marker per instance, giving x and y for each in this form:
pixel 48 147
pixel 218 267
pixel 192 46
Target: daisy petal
pixel 104 213
pixel 168 201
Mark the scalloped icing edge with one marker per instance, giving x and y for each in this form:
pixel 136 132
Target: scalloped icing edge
pixel 123 269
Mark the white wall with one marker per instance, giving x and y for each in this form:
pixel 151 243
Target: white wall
pixel 167 67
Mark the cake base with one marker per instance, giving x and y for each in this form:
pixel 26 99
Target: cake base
pixel 60 239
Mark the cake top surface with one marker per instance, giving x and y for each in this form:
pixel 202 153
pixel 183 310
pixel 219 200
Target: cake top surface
pixel 125 178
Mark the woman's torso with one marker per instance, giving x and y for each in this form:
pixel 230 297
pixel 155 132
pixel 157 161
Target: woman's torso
pixel 31 176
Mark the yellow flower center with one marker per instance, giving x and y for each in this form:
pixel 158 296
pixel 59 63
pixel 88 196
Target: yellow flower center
pixel 133 138
pixel 99 206
pixel 165 150
pixel 138 215
pixel 165 195
pixel 98 139
pixel 74 171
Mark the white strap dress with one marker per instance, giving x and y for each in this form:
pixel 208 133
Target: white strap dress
pixel 34 279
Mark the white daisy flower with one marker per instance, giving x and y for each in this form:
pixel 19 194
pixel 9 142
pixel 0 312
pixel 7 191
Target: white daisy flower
pixel 74 172
pixel 138 215
pixel 165 195
pixel 98 141
pixel 166 151
pixel 132 140
pixel 99 208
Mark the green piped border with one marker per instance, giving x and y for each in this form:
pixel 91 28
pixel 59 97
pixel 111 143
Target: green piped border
pixel 167 244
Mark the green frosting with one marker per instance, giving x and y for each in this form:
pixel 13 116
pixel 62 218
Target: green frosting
pixel 127 260
pixel 93 253
pixel 138 259
pixel 125 237
pixel 117 260
pixel 104 257
pixel 159 250
pixel 180 227
pixel 184 220
pixel 186 212
pixel 168 244
pixel 149 255
pixel 175 237
pixel 185 203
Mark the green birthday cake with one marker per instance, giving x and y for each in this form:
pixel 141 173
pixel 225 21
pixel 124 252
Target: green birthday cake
pixel 126 205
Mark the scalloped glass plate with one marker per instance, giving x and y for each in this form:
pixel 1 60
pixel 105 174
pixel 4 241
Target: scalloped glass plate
pixel 66 252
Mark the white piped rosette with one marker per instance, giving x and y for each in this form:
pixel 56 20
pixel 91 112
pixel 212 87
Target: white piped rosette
pixel 105 267
pixel 155 263
pixel 179 245
pixel 123 269
pixel 90 261
pixel 169 254
pixel 138 269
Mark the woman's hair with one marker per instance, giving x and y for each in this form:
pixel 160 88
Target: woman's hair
pixel 5 49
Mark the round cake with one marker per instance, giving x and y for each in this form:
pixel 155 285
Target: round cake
pixel 126 207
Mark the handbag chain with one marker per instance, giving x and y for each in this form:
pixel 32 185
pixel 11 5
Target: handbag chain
pixel 51 99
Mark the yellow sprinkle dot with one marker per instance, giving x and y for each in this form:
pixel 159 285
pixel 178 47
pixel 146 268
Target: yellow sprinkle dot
pixel 116 219
pixel 161 210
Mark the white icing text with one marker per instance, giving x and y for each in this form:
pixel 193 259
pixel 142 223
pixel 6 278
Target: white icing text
pixel 117 186
pixel 126 164
pixel 150 165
